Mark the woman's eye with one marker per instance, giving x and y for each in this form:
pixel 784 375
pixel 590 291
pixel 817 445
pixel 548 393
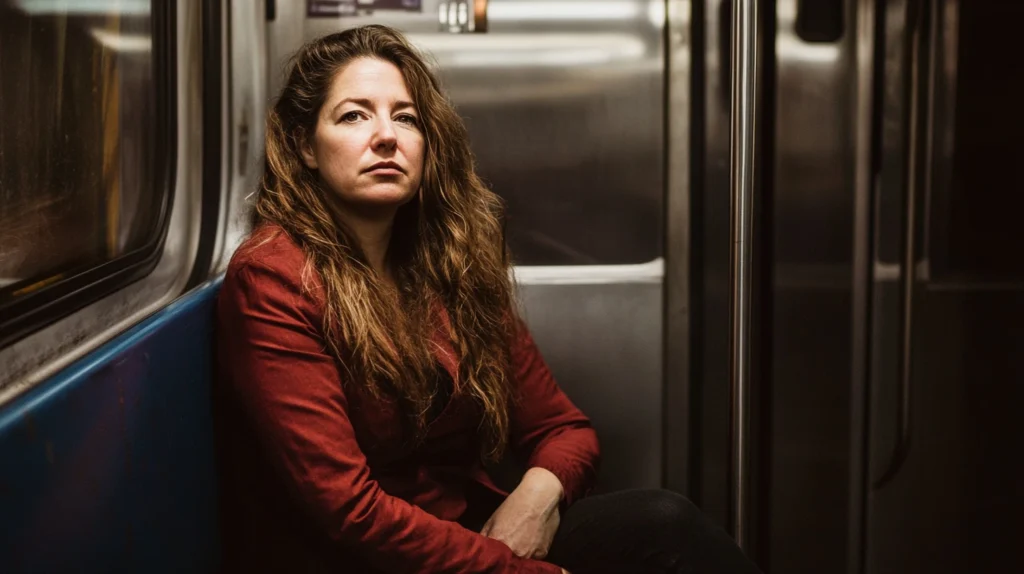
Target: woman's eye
pixel 407 119
pixel 350 117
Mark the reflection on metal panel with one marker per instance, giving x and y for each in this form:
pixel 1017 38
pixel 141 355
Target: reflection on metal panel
pixel 815 159
pixel 652 272
pixel 678 316
pixel 889 232
pixel 712 234
pixel 603 343
pixel 244 124
pixel 563 101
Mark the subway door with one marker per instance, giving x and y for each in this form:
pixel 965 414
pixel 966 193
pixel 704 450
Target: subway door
pixel 564 105
pixel 947 382
pixel 801 357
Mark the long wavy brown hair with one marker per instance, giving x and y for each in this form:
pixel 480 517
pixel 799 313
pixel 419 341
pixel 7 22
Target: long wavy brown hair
pixel 447 245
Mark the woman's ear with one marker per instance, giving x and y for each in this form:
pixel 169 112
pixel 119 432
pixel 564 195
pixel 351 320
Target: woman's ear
pixel 308 157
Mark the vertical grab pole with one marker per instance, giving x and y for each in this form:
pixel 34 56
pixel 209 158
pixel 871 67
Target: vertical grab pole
pixel 741 186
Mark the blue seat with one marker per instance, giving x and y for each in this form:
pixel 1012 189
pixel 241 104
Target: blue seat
pixel 109 465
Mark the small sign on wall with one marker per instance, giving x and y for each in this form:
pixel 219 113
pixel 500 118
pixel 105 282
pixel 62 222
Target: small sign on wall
pixel 335 8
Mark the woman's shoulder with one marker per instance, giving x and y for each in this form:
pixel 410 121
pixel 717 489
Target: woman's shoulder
pixel 267 283
pixel 268 254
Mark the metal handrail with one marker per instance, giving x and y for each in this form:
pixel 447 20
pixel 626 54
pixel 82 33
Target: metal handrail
pixel 743 115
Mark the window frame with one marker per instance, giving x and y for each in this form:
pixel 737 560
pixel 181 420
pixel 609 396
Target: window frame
pixel 31 312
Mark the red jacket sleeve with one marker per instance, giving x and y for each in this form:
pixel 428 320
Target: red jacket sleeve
pixel 290 386
pixel 547 429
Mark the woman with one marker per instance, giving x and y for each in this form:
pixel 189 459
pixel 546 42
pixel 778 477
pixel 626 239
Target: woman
pixel 371 361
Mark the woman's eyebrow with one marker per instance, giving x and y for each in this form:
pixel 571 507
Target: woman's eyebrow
pixel 366 103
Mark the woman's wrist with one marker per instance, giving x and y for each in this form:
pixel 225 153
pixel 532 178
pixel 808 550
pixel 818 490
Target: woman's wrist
pixel 545 483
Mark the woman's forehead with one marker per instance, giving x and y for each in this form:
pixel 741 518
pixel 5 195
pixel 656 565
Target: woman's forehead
pixel 370 80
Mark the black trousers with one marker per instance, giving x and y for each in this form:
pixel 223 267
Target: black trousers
pixel 644 532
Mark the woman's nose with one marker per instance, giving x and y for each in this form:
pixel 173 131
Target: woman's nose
pixel 384 135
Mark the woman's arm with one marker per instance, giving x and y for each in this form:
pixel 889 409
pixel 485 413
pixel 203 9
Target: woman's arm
pixel 289 384
pixel 528 519
pixel 548 431
pixel 559 447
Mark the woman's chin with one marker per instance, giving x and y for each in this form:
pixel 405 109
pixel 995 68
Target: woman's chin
pixel 381 199
pixel 394 194
pixel 386 201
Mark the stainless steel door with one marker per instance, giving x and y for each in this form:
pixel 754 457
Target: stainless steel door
pixel 891 377
pixel 564 102
pixel 802 320
pixel 947 380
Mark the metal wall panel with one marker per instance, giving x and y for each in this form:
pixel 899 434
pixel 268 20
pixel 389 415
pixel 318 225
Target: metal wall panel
pixel 680 459
pixel 812 252
pixel 603 343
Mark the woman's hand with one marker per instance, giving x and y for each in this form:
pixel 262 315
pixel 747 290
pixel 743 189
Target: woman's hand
pixel 526 522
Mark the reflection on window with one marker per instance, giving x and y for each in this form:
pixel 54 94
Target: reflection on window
pixel 77 137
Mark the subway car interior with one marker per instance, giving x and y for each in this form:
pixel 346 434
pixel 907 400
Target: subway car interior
pixel 772 248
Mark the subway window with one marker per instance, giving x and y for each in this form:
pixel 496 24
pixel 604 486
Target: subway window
pixel 86 152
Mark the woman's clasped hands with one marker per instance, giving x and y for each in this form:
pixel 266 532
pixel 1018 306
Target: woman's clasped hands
pixel 527 520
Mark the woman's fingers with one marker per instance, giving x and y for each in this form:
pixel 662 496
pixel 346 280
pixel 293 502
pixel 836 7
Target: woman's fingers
pixel 521 543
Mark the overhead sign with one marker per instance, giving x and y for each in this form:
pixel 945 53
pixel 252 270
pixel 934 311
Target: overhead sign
pixel 335 8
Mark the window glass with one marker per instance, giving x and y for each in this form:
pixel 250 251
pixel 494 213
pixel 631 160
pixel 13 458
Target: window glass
pixel 78 134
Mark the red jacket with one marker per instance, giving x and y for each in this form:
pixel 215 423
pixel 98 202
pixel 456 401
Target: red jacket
pixel 314 473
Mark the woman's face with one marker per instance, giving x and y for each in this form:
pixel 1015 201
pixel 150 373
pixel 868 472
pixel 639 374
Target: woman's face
pixel 368 146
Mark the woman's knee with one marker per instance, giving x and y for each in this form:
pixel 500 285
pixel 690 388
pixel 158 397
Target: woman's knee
pixel 669 507
pixel 703 546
